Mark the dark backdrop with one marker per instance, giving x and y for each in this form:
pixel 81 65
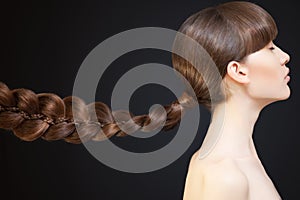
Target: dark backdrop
pixel 44 44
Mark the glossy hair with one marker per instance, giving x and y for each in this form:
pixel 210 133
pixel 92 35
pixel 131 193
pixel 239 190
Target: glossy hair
pixel 228 31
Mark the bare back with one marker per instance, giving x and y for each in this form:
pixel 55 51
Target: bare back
pixel 223 179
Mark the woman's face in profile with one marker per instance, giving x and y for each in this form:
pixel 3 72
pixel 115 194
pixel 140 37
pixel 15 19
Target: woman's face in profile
pixel 267 73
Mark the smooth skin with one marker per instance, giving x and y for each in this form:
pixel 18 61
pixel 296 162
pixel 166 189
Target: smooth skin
pixel 233 170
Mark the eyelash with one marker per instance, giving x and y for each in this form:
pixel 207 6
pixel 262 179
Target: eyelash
pixel 272 48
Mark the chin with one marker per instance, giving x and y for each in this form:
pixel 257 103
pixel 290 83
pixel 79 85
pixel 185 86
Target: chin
pixel 285 95
pixel 282 97
pixel 288 93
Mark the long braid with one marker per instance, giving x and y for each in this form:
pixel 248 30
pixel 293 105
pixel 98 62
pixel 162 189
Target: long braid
pixel 31 116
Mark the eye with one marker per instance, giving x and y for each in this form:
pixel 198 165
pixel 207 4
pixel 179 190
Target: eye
pixel 272 48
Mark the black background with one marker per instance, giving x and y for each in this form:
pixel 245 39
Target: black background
pixel 43 45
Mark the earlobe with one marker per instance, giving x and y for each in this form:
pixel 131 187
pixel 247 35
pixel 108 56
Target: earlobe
pixel 237 72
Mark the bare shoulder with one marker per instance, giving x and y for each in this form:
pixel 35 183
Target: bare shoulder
pixel 194 183
pixel 215 179
pixel 225 180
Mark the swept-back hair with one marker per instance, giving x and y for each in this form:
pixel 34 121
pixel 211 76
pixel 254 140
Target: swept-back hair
pixel 228 31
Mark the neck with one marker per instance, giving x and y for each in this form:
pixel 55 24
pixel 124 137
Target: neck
pixel 232 127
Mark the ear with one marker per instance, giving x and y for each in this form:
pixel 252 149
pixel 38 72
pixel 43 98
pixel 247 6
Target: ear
pixel 237 72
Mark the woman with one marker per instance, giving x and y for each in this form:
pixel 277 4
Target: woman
pixel 238 36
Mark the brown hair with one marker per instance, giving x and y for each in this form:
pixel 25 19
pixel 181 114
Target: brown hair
pixel 228 31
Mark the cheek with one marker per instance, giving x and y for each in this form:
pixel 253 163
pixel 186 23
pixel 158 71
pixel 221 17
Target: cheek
pixel 264 79
pixel 264 74
pixel 264 68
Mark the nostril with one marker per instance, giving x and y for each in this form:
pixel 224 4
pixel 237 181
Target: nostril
pixel 287 58
pixel 284 61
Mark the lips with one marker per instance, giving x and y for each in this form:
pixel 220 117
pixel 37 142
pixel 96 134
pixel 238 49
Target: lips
pixel 287 74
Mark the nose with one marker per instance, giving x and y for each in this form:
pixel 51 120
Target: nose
pixel 285 58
